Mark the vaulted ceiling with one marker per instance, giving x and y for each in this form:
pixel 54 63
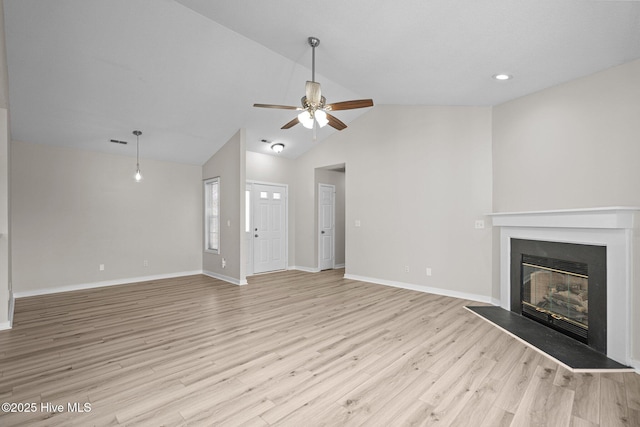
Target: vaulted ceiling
pixel 186 73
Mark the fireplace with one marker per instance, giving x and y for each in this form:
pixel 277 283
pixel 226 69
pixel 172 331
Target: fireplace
pixel 563 286
pixel 605 239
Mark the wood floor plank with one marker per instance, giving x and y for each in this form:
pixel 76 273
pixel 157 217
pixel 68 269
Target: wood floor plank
pixel 519 378
pixel 544 404
pixel 586 405
pixel 290 349
pixel 613 402
pixel 632 387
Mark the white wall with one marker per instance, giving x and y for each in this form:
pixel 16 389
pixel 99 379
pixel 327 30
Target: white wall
pixel 229 164
pixel 417 179
pixel 576 145
pixel 73 210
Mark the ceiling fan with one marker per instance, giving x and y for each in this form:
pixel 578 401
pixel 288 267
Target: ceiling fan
pixel 314 108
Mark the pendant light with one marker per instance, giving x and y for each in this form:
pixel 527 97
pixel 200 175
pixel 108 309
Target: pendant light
pixel 138 175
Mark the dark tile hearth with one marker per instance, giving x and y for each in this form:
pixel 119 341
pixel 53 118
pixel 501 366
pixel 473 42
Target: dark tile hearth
pixel 565 350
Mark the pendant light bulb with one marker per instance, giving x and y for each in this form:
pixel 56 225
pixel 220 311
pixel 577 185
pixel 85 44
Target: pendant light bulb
pixel 306 119
pixel 321 118
pixel 138 175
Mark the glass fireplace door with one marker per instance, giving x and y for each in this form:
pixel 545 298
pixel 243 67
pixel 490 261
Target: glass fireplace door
pixel 556 296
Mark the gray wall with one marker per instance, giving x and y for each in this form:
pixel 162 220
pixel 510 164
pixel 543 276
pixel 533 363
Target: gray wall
pixel 228 163
pixel 73 210
pixel 5 210
pixel 417 179
pixel 572 146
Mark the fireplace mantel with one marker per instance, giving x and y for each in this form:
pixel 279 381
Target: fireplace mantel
pixel 608 218
pixel 613 227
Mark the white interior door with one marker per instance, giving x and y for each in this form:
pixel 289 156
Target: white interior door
pixel 326 226
pixel 269 236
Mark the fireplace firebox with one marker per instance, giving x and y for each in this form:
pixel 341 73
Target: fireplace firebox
pixel 563 286
pixel 556 293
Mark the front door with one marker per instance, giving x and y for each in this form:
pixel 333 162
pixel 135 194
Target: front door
pixel 326 226
pixel 268 228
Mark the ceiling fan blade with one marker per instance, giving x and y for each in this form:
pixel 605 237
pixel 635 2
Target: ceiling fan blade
pixel 350 105
pixel 282 107
pixel 312 90
pixel 291 124
pixel 335 123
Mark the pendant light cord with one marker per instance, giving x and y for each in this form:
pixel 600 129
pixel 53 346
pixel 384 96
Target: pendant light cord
pixel 137 133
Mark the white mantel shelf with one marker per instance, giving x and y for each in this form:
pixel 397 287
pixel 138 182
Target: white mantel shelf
pixel 618 217
pixel 617 228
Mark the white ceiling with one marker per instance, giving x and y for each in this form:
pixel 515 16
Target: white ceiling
pixel 187 72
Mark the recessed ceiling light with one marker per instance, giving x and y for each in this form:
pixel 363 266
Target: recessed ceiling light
pixel 502 76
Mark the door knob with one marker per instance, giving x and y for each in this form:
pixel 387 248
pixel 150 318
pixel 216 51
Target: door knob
pixel 322 232
pixel 256 235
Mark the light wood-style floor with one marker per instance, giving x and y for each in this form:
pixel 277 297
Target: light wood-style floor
pixel 289 349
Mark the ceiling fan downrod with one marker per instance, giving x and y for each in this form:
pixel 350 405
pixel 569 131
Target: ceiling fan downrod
pixel 313 42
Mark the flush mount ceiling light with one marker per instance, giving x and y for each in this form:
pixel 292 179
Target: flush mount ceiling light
pixel 138 175
pixel 278 147
pixel 314 110
pixel 502 77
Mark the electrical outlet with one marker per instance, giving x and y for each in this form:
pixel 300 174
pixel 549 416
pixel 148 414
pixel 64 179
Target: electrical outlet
pixel 101 267
pixel 224 263
pixel 406 268
pixel 479 224
pixel 145 263
pixel 428 271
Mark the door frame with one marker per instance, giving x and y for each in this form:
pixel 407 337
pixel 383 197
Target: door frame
pixel 248 235
pixel 333 229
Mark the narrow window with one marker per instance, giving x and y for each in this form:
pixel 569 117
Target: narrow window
pixel 247 212
pixel 212 215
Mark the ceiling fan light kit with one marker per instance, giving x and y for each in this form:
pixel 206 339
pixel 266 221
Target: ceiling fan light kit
pixel 314 110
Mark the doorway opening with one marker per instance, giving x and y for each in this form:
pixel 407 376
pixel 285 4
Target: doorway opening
pixel 330 216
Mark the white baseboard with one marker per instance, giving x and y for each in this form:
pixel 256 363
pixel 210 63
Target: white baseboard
pixel 224 278
pixel 421 288
pixel 305 269
pixel 82 286
pixel 339 265
pixel 635 364
pixel 5 325
pixel 12 304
